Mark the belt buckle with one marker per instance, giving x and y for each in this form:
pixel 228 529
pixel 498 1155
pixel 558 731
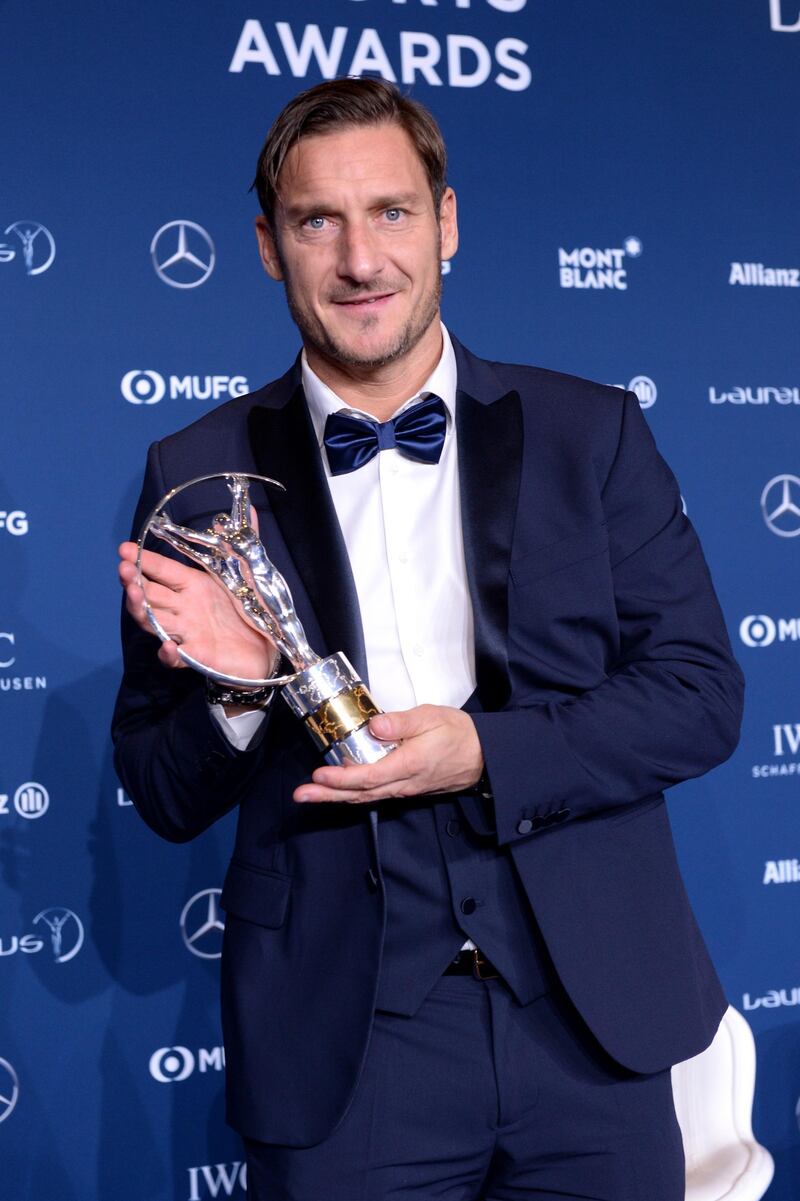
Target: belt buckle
pixel 478 961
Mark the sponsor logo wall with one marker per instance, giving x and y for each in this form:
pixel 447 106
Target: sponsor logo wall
pixel 593 241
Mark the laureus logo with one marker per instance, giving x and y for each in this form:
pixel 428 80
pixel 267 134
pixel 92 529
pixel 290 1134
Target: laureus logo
pixel 34 242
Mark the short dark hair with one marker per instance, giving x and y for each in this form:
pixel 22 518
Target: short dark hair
pixel 347 103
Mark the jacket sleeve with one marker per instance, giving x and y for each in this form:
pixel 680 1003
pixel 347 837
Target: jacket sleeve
pixel 669 707
pixel 171 756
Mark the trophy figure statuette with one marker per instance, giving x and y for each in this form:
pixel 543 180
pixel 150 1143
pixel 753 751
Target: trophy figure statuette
pixel 325 693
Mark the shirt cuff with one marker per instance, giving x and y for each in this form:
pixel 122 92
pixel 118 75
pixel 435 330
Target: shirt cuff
pixel 241 731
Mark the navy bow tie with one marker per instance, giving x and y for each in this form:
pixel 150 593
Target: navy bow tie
pixel 418 433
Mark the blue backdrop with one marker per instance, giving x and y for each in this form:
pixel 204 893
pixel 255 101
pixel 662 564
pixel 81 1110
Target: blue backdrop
pixel 628 182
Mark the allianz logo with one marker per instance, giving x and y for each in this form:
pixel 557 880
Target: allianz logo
pixel 755 396
pixel 781 871
pixel 217 1180
pixel 774 999
pixel 756 275
pixel 145 387
pixel 760 630
pixel 169 1065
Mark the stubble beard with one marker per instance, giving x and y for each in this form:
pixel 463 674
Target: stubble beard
pixel 317 336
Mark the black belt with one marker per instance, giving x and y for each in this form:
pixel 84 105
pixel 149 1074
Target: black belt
pixel 472 963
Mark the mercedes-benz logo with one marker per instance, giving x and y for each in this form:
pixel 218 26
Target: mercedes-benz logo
pixel 38 245
pixel 780 505
pixel 183 254
pixel 66 932
pixel 9 1089
pixel 202 924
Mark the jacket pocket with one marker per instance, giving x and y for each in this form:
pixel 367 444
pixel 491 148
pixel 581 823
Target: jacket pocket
pixel 556 555
pixel 256 895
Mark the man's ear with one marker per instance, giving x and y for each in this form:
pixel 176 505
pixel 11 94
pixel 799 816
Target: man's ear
pixel 448 224
pixel 267 248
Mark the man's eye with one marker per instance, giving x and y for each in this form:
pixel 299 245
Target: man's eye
pixel 315 222
pixel 393 214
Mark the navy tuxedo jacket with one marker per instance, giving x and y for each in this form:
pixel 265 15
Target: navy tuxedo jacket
pixel 604 675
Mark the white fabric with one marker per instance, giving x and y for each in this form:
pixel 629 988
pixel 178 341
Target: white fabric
pixel 401 522
pixel 714 1101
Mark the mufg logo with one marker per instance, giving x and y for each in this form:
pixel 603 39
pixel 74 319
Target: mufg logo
pixel 144 387
pixel 170 1065
pixel 32 242
pixel 758 629
pixel 182 254
pixel 590 267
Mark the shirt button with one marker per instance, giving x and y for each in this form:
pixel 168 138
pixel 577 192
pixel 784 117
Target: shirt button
pixel 402 558
pixel 525 826
pixel 453 827
pixel 469 905
pixel 418 650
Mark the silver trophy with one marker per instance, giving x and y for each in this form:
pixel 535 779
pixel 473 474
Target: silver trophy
pixel 327 694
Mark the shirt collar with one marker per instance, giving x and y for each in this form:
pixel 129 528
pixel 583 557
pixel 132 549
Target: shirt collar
pixel 322 400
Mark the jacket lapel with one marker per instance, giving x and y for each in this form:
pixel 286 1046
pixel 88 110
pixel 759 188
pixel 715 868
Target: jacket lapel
pixel 285 448
pixel 490 459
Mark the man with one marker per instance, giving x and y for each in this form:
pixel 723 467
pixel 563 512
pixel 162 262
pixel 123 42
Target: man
pixel 463 971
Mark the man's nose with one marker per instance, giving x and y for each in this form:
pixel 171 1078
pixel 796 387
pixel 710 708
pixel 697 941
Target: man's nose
pixel 361 256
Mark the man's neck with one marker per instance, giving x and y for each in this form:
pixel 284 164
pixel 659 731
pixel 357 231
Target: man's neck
pixel 381 391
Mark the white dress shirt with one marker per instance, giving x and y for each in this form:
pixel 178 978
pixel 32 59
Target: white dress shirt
pixel 401 523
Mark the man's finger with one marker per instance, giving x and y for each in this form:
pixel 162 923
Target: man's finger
pixel 159 567
pixel 391 769
pixel 405 723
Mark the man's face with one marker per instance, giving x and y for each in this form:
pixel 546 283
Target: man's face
pixel 359 245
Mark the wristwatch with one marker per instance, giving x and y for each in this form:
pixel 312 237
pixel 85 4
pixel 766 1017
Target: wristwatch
pixel 256 698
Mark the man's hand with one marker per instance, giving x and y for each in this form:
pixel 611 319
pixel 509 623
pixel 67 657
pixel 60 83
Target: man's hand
pixel 197 612
pixel 440 752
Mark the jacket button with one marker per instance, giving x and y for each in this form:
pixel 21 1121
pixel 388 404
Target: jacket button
pixel 371 877
pixel 469 905
pixel 453 827
pixel 562 815
pixel 525 826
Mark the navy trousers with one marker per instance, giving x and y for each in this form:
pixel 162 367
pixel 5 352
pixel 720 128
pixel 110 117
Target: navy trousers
pixel 477 1098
